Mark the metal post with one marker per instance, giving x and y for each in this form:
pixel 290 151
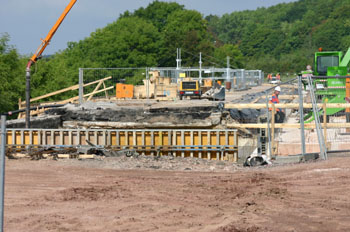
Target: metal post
pixel 325 122
pixel 243 79
pixel 228 69
pixel 178 64
pixel 28 97
pixel 273 115
pixel 178 59
pixel 269 151
pixel 323 149
pixel 2 172
pixel 147 83
pixel 301 116
pixel 200 68
pixel 81 86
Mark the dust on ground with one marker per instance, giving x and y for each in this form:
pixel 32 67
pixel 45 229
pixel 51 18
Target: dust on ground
pixel 103 195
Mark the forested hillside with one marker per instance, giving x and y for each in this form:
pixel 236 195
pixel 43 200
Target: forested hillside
pixel 284 37
pixel 281 38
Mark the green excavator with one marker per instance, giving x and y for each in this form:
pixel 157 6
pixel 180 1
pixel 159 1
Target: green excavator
pixel 330 80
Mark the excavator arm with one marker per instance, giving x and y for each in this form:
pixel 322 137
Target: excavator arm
pixel 51 33
pixel 39 52
pixel 346 59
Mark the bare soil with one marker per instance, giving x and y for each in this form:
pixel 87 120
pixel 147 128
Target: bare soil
pixel 72 195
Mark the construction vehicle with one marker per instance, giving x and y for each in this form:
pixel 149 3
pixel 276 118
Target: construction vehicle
pixel 274 81
pixel 330 77
pixel 189 88
pixel 39 52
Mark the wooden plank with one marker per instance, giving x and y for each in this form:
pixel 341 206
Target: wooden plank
pixel 284 105
pixel 86 156
pixel 73 99
pixel 95 90
pixel 99 91
pixel 20 155
pixel 284 97
pixel 95 82
pixel 285 125
pixel 104 86
pixel 63 156
pixel 73 87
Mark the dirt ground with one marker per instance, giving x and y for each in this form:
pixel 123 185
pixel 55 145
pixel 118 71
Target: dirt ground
pixel 73 195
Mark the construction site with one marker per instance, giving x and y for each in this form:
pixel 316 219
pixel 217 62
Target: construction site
pixel 115 159
pixel 185 149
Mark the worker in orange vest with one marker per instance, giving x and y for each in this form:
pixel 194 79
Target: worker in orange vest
pixel 269 76
pixel 280 115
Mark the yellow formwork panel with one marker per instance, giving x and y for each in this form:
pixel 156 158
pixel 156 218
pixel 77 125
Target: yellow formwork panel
pixel 185 139
pixel 9 137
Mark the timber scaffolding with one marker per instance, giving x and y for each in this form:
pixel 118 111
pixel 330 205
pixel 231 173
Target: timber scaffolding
pixel 333 146
pixel 87 96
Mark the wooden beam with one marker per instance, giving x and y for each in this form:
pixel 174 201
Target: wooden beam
pixel 284 105
pixel 95 82
pixel 284 97
pixel 281 97
pixel 99 91
pixel 73 87
pixel 285 125
pixel 96 88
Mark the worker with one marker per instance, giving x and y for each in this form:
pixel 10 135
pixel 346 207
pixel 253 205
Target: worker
pixel 308 71
pixel 269 76
pixel 280 115
pixel 278 76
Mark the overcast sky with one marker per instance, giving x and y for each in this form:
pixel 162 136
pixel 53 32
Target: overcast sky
pixel 27 21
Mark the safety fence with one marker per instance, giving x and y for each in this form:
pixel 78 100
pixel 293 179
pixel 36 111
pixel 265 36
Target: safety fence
pixel 232 79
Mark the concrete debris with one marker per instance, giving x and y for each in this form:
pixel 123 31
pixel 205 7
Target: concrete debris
pixel 43 121
pixel 145 162
pixel 216 93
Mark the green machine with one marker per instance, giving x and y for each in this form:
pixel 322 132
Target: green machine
pixel 331 71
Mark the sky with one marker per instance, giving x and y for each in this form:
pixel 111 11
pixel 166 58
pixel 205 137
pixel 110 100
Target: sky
pixel 28 21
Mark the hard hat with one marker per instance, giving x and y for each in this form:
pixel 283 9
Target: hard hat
pixel 278 89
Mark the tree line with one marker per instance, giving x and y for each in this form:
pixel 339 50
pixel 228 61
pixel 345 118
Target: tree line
pixel 281 38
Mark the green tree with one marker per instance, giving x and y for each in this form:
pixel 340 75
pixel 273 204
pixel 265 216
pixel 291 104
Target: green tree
pixel 188 30
pixel 12 75
pixel 157 13
pixel 232 51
